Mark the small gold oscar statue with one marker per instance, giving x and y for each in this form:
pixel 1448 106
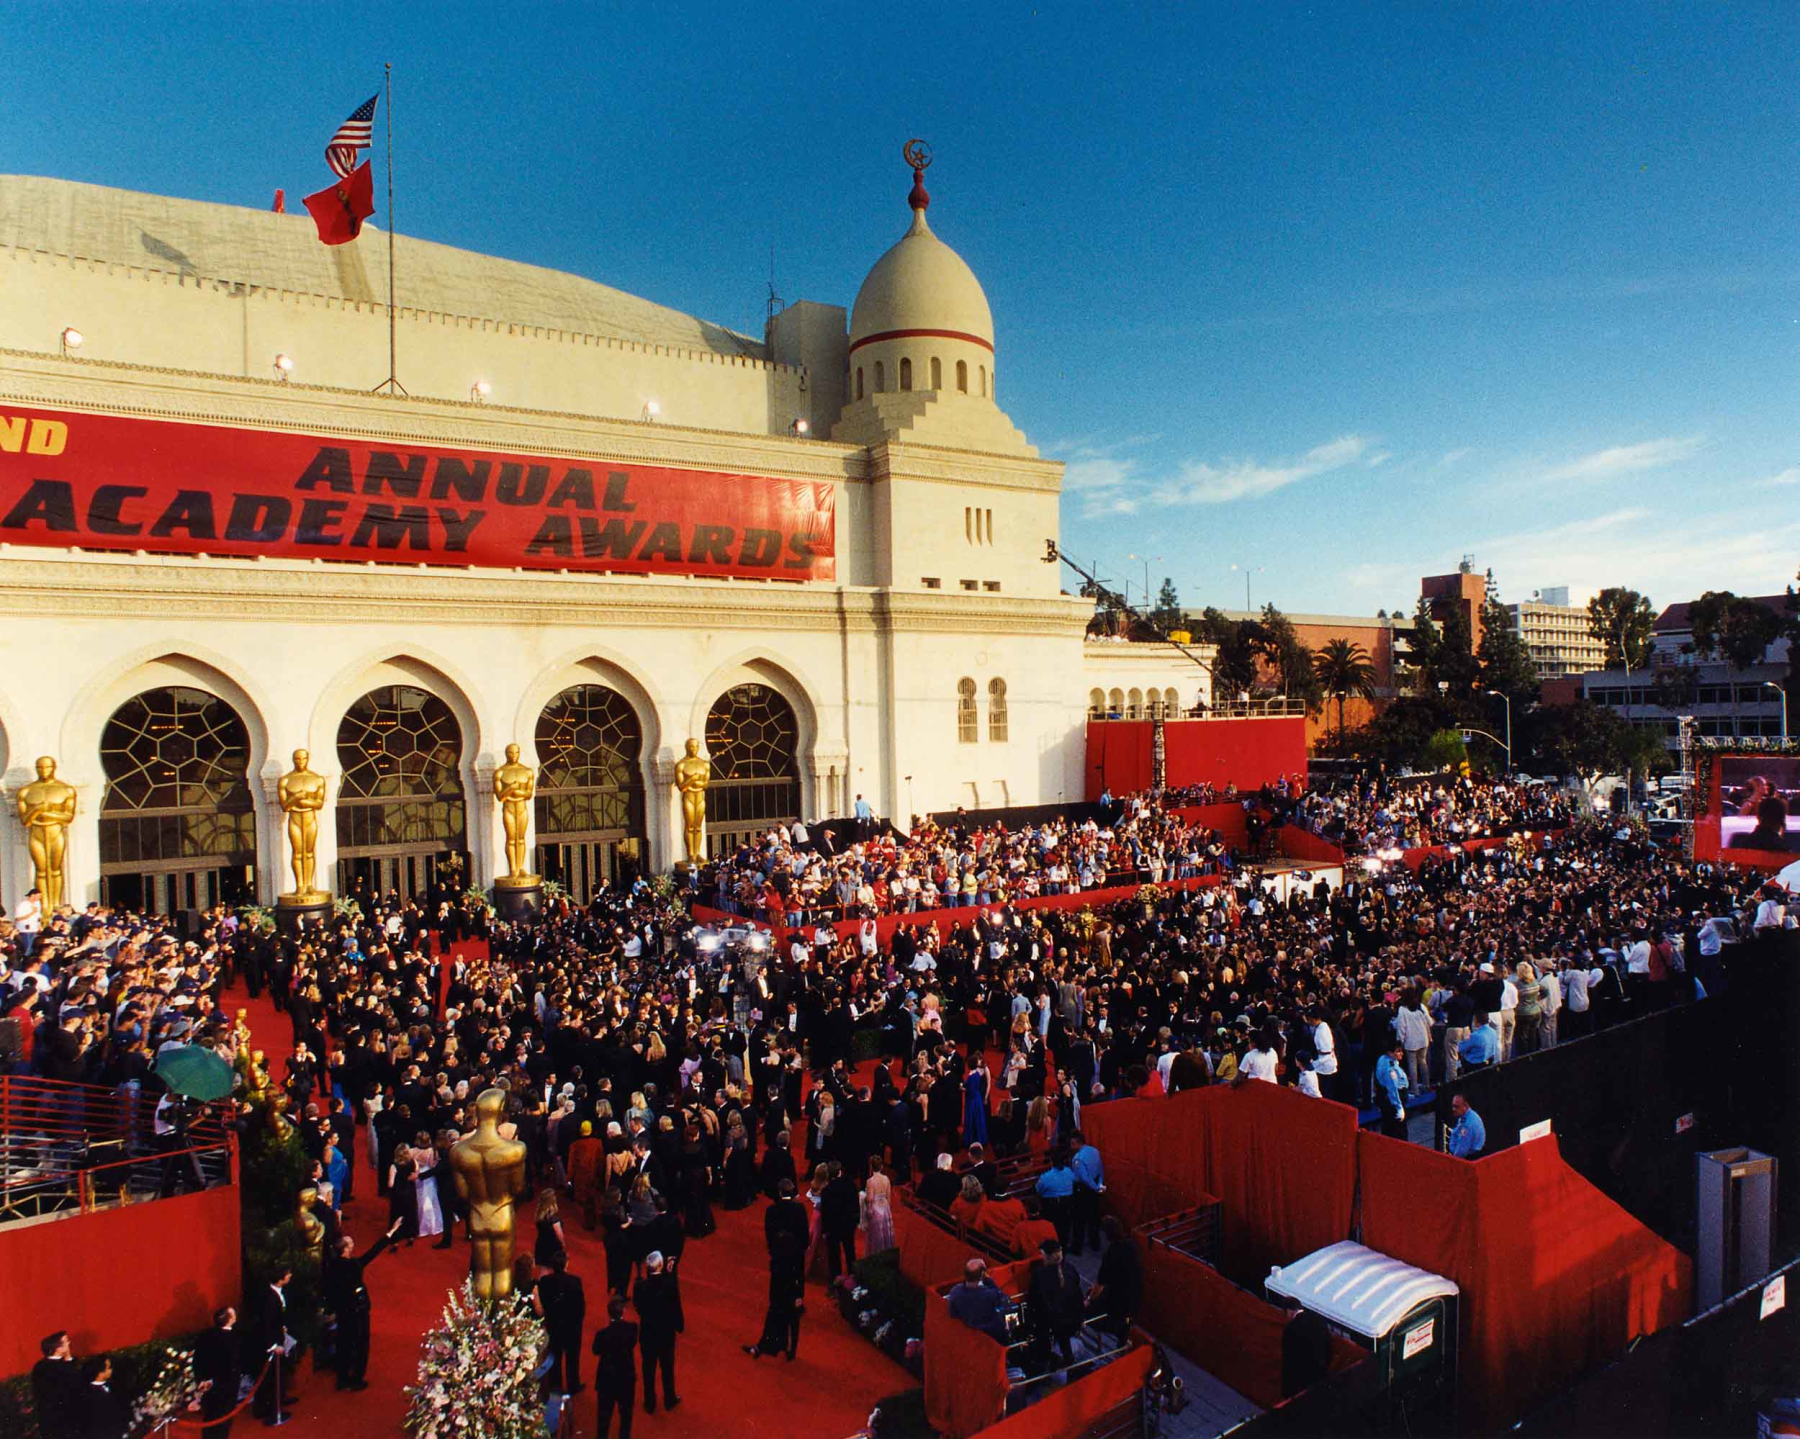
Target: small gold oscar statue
pixel 692 774
pixel 309 1226
pixel 489 1174
pixel 46 809
pixel 514 786
pixel 302 795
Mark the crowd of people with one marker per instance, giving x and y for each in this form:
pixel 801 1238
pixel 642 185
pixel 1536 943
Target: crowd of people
pixel 654 1073
pixel 1371 814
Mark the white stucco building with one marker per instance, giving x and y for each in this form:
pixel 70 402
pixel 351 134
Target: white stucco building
pixel 172 655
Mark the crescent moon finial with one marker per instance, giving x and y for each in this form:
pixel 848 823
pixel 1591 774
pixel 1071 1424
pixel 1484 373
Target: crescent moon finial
pixel 917 154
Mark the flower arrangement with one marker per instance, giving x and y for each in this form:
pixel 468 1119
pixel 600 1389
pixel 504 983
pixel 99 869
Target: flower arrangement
pixel 1149 894
pixel 174 1392
pixel 477 1373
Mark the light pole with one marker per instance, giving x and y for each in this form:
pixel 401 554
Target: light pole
pixel 1771 685
pixel 1507 701
pixel 1248 571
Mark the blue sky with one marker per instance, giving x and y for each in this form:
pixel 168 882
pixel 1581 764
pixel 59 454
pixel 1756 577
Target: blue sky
pixel 1335 293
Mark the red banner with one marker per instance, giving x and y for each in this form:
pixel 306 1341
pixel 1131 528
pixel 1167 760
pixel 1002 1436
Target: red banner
pixel 110 482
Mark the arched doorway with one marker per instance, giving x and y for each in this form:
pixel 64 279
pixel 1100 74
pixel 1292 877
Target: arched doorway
pixel 401 811
pixel 177 822
pixel 590 791
pixel 753 741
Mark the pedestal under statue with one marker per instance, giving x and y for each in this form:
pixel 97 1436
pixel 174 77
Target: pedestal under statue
pixel 518 894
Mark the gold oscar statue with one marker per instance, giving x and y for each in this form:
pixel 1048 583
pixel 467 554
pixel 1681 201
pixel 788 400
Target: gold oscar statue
pixel 692 774
pixel 309 1226
pixel 514 786
pixel 302 796
pixel 489 1173
pixel 46 809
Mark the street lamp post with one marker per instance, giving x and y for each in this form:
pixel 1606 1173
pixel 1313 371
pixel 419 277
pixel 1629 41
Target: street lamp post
pixel 1507 701
pixel 1248 571
pixel 1771 685
pixel 1149 603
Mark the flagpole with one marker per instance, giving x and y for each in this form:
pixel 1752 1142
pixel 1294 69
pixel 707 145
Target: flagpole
pixel 392 384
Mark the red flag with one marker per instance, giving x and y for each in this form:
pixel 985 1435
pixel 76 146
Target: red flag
pixel 340 210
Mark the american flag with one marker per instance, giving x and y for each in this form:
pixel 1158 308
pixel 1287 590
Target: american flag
pixel 353 135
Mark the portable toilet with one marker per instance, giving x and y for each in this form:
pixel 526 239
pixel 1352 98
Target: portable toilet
pixel 1406 1317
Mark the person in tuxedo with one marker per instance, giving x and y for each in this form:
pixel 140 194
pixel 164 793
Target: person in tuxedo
pixel 105 1414
pixel 564 1304
pixel 657 1298
pixel 265 1328
pixel 347 1296
pixel 785 1229
pixel 615 1370
pixel 56 1386
pixel 1054 1301
pixel 840 1211
pixel 218 1364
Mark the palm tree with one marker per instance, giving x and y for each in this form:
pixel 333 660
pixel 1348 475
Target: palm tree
pixel 1343 669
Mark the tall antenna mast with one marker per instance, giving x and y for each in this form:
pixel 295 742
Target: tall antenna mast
pixel 391 384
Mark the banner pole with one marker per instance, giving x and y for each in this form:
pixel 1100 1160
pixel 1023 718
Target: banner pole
pixel 392 384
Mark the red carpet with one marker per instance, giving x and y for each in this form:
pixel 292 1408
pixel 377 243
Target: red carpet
pixel 827 1392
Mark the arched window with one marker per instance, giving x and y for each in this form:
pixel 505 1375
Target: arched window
pixel 983 371
pixel 1153 706
pixel 880 378
pixel 400 805
pixel 859 382
pixel 1171 705
pixel 753 740
pixel 968 723
pixel 1096 704
pixel 997 711
pixel 1115 704
pixel 905 374
pixel 937 373
pixel 1134 705
pixel 590 791
pixel 962 376
pixel 177 827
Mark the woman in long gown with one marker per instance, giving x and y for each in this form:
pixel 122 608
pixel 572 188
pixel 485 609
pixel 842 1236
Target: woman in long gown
pixel 740 1168
pixel 975 1105
pixel 696 1179
pixel 815 1251
pixel 431 1213
pixel 403 1195
pixel 878 1211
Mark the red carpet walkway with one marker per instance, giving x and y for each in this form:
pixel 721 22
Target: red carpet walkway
pixel 826 1393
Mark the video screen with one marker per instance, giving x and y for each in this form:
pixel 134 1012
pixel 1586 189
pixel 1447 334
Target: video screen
pixel 1759 803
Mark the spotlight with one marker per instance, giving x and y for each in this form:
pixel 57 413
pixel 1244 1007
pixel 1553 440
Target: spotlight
pixel 651 409
pixel 802 427
pixel 71 339
pixel 479 391
pixel 284 365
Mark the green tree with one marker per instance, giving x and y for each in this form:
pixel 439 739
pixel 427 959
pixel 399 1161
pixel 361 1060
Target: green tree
pixel 1291 660
pixel 1167 614
pixel 1733 628
pixel 1343 670
pixel 1397 736
pixel 1444 750
pixel 1504 660
pixel 1624 621
pixel 1455 666
pixel 1581 738
pixel 1236 646
pixel 1424 645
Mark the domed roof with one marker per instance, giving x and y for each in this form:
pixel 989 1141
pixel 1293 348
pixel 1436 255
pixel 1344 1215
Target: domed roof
pixel 921 286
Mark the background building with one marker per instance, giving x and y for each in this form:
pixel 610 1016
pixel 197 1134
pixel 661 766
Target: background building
pixel 592 526
pixel 1556 633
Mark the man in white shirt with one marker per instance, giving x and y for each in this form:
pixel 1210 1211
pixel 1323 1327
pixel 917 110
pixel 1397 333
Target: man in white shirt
pixel 28 921
pixel 1551 991
pixel 1509 1005
pixel 1325 1061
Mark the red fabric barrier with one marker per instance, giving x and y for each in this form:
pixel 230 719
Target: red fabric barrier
pixel 928 1255
pixel 1297 843
pixel 1246 752
pixel 1556 1278
pixel 1070 1410
pixel 1282 1165
pixel 965 1371
pixel 1413 858
pixel 121 1276
pixel 1227 1331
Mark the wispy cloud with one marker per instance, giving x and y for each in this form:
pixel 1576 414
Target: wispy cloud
pixel 1789 476
pixel 1617 460
pixel 1109 480
pixel 1453 457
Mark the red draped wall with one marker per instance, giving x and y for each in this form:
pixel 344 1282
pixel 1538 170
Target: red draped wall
pixel 1072 1408
pixel 1246 752
pixel 120 1276
pixel 1297 843
pixel 1283 1165
pixel 1228 819
pixel 928 1256
pixel 1556 1278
